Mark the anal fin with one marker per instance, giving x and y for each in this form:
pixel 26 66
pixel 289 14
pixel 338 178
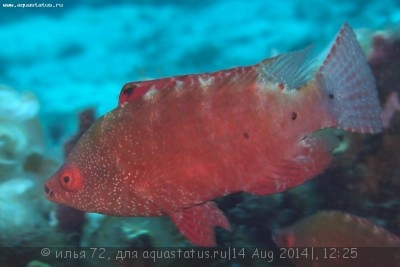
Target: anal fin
pixel 197 223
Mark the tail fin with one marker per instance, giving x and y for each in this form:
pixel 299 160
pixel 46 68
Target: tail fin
pixel 348 87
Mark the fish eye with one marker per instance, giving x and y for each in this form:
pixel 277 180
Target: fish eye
pixel 66 179
pixel 70 179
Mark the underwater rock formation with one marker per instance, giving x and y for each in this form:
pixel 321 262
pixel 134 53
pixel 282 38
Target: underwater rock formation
pixel 21 163
pixel 385 64
pixel 21 137
pixel 24 213
pixel 15 195
pixel 380 180
pixel 392 106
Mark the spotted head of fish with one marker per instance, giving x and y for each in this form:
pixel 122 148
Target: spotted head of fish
pixel 64 184
pixel 87 180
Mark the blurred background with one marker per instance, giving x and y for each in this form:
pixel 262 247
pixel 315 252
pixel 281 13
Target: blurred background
pixel 82 53
pixel 57 62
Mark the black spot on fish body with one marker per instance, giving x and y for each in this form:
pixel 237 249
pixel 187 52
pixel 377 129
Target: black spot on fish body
pixel 331 96
pixel 294 115
pixel 246 135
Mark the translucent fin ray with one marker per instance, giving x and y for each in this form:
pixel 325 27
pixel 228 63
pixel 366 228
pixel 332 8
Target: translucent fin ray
pixel 348 86
pixel 293 69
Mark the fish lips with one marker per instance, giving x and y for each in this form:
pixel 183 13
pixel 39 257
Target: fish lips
pixel 49 191
pixel 53 189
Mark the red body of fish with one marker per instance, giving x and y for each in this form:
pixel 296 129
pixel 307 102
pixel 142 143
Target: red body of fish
pixel 174 144
pixel 344 240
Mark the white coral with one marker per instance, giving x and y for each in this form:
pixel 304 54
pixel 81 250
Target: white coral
pixel 18 106
pixel 20 133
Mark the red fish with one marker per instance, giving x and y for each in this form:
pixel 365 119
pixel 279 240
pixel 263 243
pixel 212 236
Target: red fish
pixel 173 145
pixel 332 230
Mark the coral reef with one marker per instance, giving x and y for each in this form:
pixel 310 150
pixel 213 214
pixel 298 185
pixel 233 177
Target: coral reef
pixel 363 180
pixel 375 170
pixel 392 106
pixel 21 138
pixel 385 64
pixel 21 164
pixel 23 167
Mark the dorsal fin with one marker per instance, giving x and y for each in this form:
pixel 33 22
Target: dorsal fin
pixel 293 69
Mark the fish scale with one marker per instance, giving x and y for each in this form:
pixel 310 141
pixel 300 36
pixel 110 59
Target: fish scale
pixel 172 145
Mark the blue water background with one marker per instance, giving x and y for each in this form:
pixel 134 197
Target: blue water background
pixel 81 54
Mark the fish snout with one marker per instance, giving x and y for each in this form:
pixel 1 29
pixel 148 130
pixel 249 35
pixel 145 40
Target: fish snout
pixel 48 191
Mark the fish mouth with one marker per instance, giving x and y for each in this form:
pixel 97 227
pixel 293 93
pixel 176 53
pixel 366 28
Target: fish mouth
pixel 49 192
